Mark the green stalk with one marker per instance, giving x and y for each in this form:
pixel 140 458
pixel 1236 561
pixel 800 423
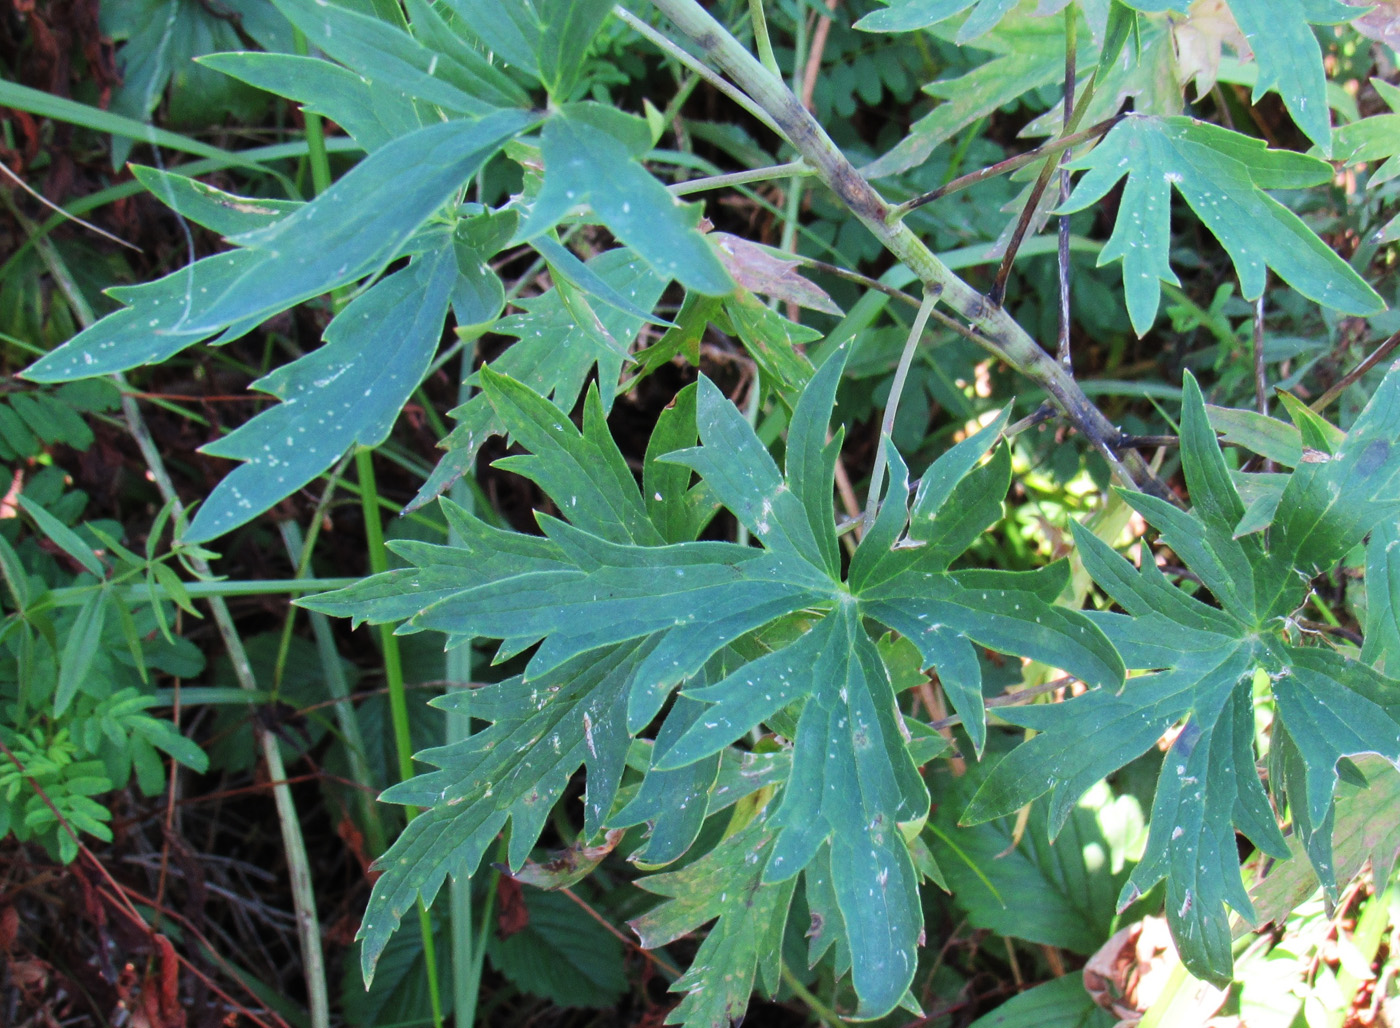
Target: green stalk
pixel 315 132
pixel 998 332
pixel 761 40
pixel 378 564
pixel 901 373
pixel 300 550
pixel 820 1010
pixel 686 59
pixel 398 698
pixel 466 962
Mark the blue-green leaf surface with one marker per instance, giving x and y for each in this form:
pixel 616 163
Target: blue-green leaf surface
pixel 585 163
pixel 1222 176
pixel 355 228
pixel 620 607
pixel 1203 664
pixel 347 393
pixel 554 354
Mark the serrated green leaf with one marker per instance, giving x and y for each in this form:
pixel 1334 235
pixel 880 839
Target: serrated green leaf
pixel 585 163
pixel 554 355
pixel 562 954
pixel 516 769
pixel 772 342
pixel 347 393
pixel 678 510
pixel 1221 175
pixel 727 883
pixel 584 469
pixel 1204 663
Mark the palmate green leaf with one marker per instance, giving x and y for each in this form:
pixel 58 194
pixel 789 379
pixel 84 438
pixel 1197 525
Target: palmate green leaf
pixel 1222 175
pixel 1203 663
pixel 620 612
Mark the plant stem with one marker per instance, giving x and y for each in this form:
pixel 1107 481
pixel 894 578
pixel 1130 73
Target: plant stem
pixel 1005 167
pixel 398 701
pixel 760 36
pixel 699 67
pixel 1071 31
pixel 901 373
pixel 466 962
pixel 998 332
pixel 1379 354
pixel 299 550
pixel 820 1010
pixel 998 290
pixel 794 169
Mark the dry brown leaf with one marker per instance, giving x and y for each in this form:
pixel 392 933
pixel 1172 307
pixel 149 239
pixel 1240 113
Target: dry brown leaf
pixel 1128 973
pixel 1207 26
pixel 759 271
pixel 1382 24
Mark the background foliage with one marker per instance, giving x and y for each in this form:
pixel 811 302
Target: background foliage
pixel 888 570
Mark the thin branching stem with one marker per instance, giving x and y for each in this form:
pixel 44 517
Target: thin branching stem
pixel 1023 224
pixel 1064 143
pixel 1071 31
pixel 901 374
pixel 1379 354
pixel 760 37
pixel 792 169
